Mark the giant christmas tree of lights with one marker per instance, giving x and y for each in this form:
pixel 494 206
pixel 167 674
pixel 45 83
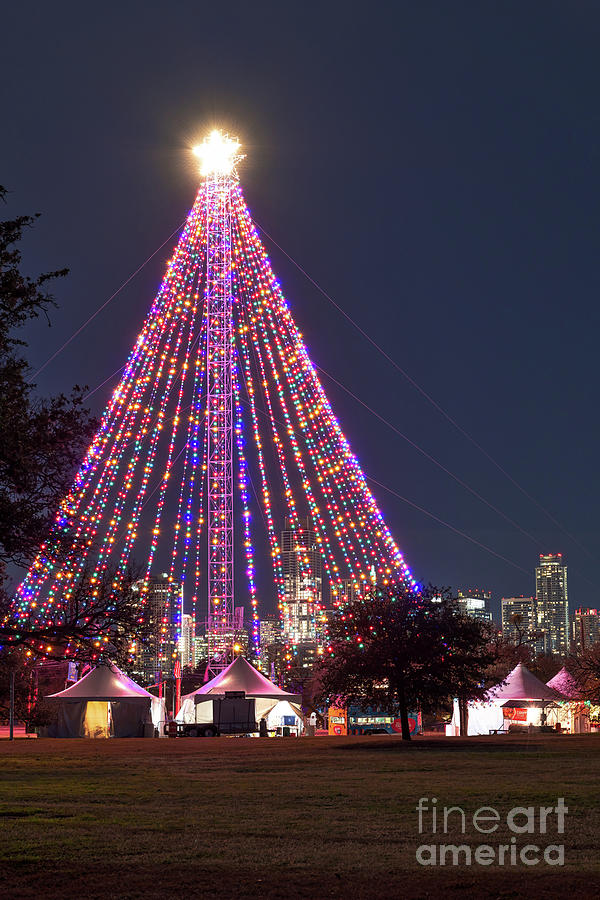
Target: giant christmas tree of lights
pixel 219 355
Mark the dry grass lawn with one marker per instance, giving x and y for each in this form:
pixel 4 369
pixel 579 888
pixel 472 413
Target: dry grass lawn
pixel 321 817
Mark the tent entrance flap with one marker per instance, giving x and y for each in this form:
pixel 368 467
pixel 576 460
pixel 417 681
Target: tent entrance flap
pixel 96 723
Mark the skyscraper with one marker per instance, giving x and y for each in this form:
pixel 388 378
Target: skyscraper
pixel 303 582
pixel 475 603
pixel 585 629
pixel 552 603
pixel 518 619
pixel 346 590
pixel 271 646
pixel 270 631
pixel 188 634
pixel 162 612
pixel 200 650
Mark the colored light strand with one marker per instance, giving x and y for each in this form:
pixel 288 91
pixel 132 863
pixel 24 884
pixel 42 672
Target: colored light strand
pixel 303 458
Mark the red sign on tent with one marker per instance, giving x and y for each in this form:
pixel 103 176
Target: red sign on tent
pixel 517 715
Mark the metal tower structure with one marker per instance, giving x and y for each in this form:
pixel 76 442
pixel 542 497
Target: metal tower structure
pixel 219 155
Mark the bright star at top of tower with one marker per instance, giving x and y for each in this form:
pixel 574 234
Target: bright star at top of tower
pixel 218 154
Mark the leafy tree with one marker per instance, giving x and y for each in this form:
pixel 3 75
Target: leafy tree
pixel 42 440
pixel 396 650
pixel 545 666
pixel 585 669
pixel 507 653
pixel 505 656
pixel 88 625
pixel 19 664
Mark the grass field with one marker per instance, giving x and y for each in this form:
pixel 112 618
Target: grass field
pixel 320 817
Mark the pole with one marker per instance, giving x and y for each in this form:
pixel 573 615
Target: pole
pixel 11 719
pixel 176 686
pixel 219 420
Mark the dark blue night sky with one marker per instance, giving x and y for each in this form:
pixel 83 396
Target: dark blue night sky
pixel 433 166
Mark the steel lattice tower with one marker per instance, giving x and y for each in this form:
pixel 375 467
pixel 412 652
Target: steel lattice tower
pixel 220 180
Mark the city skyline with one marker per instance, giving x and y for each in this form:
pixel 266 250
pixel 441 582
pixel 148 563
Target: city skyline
pixel 331 595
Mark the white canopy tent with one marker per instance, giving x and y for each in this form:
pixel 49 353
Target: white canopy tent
pixel 521 698
pixel 272 703
pixel 106 703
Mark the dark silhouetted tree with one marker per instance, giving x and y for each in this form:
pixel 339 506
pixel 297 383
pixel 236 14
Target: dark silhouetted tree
pixel 42 441
pixel 396 650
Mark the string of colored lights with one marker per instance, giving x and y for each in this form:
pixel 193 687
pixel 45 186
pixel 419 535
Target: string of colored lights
pixel 312 409
pixel 191 304
pixel 337 486
pixel 318 416
pixel 250 323
pixel 308 588
pixel 266 494
pixel 43 567
pixel 247 324
pixel 287 492
pixel 328 454
pixel 118 421
pixel 189 477
pixel 243 487
pixel 102 519
pixel 151 423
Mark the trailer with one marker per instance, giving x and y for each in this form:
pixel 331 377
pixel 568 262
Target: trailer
pixel 230 713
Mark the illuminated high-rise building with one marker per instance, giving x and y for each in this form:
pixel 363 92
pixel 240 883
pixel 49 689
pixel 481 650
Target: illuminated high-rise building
pixel 303 582
pixel 519 620
pixel 475 603
pixel 346 590
pixel 271 646
pixel 200 650
pixel 552 603
pixel 585 626
pixel 161 609
pixel 270 631
pixel 188 634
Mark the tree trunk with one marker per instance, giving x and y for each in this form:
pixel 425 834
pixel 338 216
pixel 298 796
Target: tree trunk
pixel 463 717
pixel 403 713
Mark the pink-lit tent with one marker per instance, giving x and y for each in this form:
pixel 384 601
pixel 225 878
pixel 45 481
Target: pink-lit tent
pixel 106 703
pixel 564 682
pixel 573 715
pixel 272 702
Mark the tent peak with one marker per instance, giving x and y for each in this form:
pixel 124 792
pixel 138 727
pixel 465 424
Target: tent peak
pixel 241 675
pixel 521 684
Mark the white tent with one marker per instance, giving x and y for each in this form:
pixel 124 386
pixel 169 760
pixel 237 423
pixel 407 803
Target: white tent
pixel 573 715
pixel 272 702
pixel 521 684
pixel 521 699
pixel 106 703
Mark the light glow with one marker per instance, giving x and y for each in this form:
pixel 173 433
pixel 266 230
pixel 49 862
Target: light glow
pixel 218 154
